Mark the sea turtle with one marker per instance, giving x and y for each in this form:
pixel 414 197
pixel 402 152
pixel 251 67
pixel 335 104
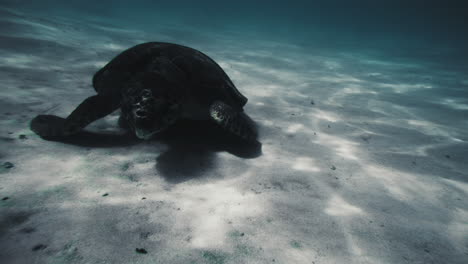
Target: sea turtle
pixel 155 84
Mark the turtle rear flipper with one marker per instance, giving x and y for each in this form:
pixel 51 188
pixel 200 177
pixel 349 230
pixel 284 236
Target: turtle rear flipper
pixel 235 122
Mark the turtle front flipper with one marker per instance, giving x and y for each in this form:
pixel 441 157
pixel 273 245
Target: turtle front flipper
pixel 233 121
pixel 48 126
pixel 91 109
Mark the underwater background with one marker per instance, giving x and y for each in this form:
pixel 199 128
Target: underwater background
pixel 365 23
pixel 362 113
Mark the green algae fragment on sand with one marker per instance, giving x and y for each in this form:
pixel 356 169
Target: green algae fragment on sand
pixel 214 257
pixel 295 244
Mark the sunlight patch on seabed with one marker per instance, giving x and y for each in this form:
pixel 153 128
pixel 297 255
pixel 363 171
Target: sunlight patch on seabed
pixel 292 129
pixel 13 95
pixel 86 65
pixel 374 74
pixel 99 64
pixel 48 171
pixel 340 78
pixel 224 65
pixel 457 184
pixel 36 24
pixel 208 208
pixel 266 122
pixel 259 53
pixel 305 164
pixel 115 29
pixel 427 128
pixel 340 208
pixel 22 61
pixel 293 255
pixel 262 90
pixel 454 103
pixel 389 111
pixel 275 45
pixel 267 55
pixel 65 37
pixel 403 88
pixel 458 229
pixel 354 89
pixel 337 206
pixel 420 123
pixel 389 64
pixel 114 47
pixel 342 147
pixel 290 92
pixel 18 60
pixel 408 187
pixel 288 76
pixel 332 65
pixel 325 115
pixel 431 129
pixel 341 97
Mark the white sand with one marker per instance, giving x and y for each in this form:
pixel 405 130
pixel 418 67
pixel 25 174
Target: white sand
pixel 375 171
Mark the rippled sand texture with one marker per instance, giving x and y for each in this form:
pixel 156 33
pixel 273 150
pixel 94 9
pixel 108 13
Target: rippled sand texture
pixel 364 157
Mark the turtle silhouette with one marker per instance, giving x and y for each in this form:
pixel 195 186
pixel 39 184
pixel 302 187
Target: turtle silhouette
pixel 155 84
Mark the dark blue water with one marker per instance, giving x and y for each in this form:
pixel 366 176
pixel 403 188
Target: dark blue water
pixel 364 23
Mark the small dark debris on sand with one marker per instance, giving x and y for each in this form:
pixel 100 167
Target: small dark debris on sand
pixel 333 167
pixel 8 165
pixel 145 235
pixel 366 137
pixel 23 137
pixel 143 198
pixel 104 195
pixel 312 102
pixel 141 250
pixel 39 247
pixel 5 198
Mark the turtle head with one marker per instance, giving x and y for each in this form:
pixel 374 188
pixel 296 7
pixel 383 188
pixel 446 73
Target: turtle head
pixel 150 113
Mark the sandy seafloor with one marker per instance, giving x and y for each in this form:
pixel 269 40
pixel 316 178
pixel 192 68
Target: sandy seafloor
pixel 363 156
